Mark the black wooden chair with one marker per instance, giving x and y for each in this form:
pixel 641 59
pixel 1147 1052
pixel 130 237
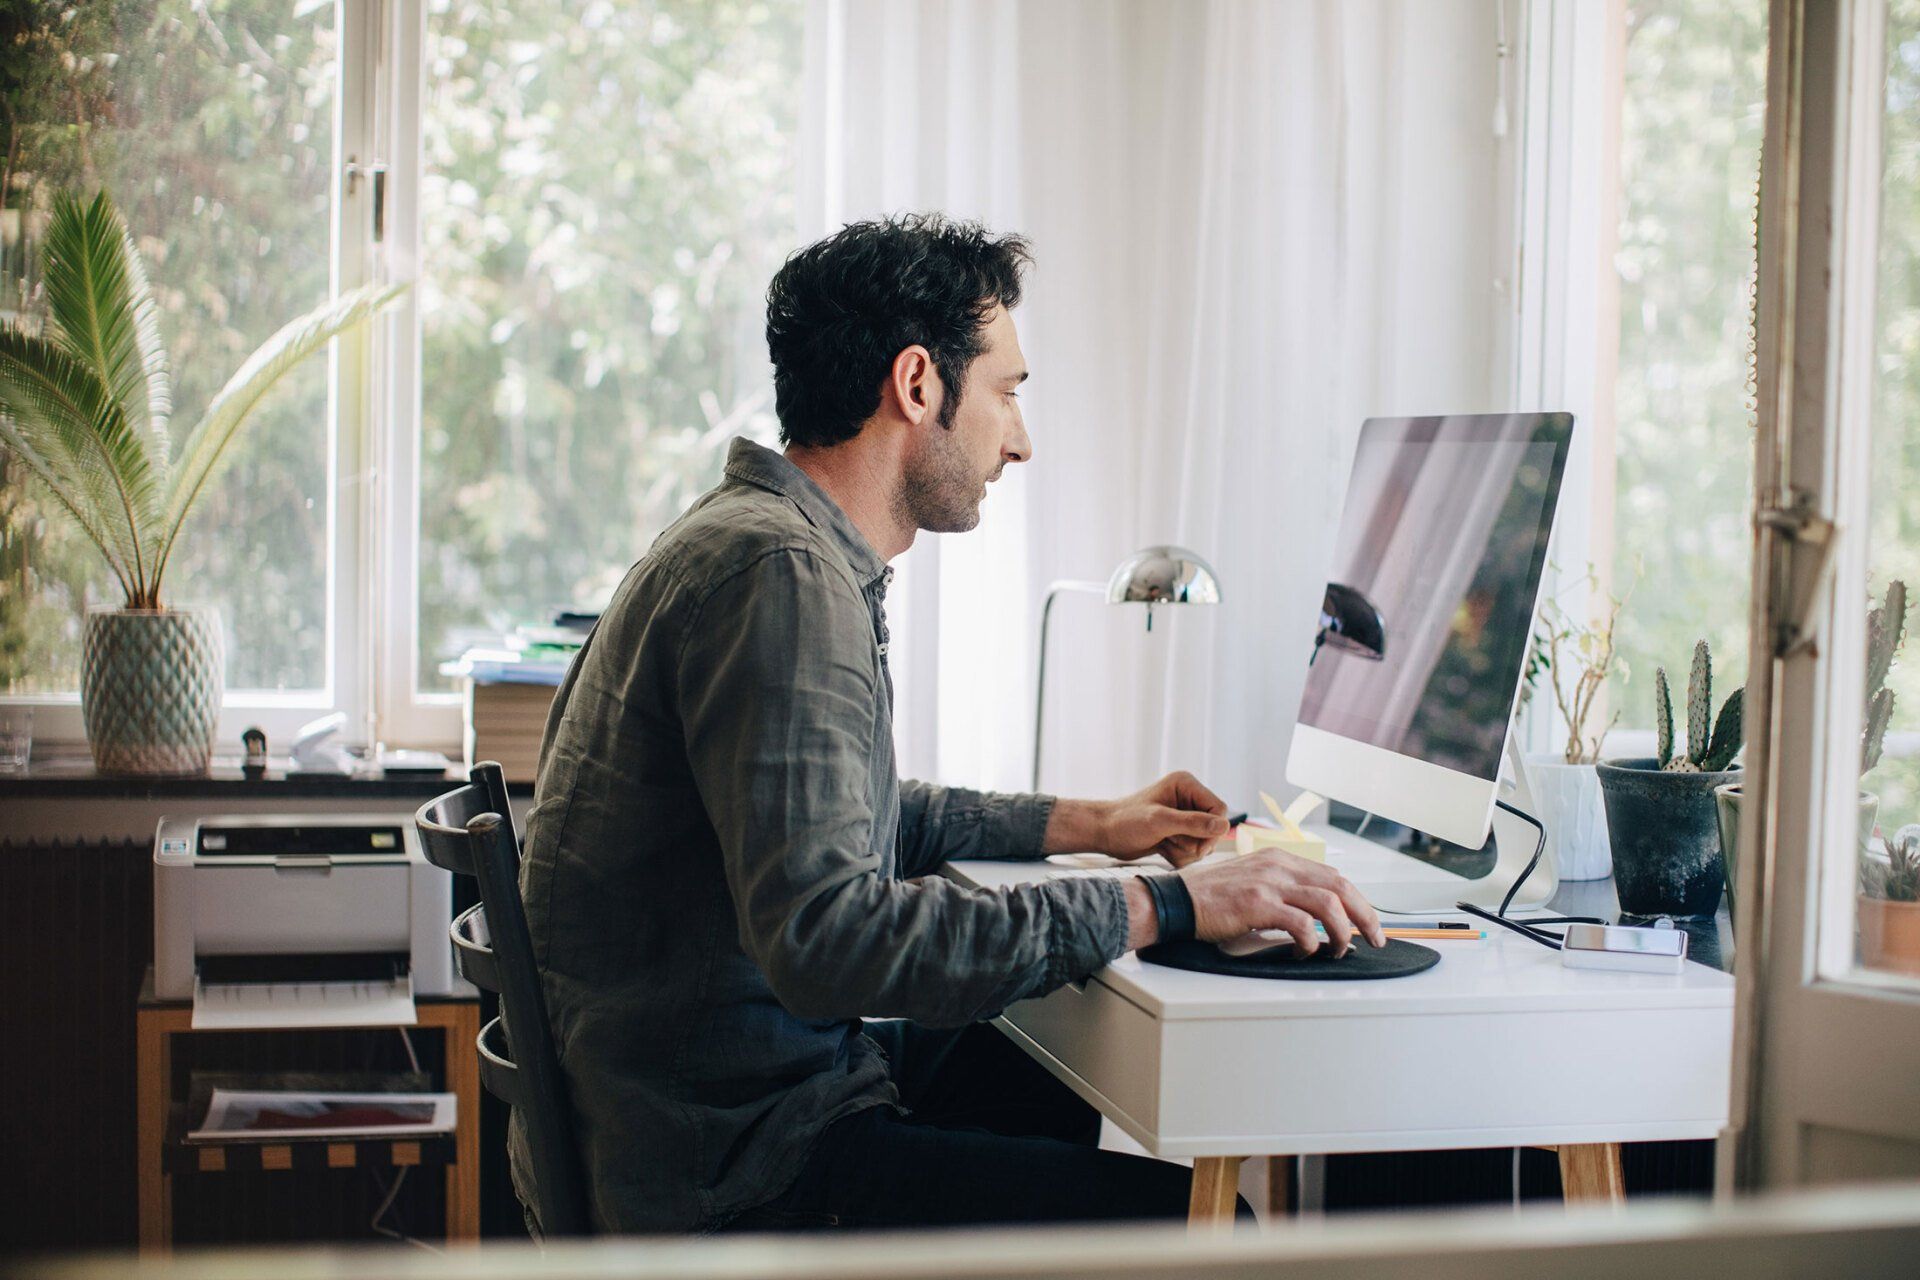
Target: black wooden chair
pixel 469 831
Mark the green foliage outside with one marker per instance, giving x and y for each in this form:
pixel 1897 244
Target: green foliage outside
pixel 609 187
pixel 210 121
pixel 1690 150
pixel 1692 119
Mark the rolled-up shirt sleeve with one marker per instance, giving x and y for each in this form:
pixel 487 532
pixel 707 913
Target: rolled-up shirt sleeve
pixel 778 677
pixel 938 824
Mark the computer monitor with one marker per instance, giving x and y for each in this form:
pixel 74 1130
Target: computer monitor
pixel 1425 626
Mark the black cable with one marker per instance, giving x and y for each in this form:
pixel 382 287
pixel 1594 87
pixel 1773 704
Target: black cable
pixel 1525 928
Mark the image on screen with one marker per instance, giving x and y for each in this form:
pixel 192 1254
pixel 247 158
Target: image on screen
pixel 1435 572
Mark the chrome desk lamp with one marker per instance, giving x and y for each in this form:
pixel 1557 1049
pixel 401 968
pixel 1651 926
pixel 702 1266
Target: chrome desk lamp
pixel 1151 576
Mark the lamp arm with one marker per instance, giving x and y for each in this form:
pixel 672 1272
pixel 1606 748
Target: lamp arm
pixel 1040 682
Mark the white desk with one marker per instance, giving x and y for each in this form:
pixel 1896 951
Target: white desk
pixel 1498 1045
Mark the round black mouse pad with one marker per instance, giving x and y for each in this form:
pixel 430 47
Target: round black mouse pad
pixel 1397 959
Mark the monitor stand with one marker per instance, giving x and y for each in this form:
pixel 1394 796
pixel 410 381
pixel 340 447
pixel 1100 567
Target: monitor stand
pixel 1397 882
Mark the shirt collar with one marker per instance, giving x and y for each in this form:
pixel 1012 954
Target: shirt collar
pixel 760 466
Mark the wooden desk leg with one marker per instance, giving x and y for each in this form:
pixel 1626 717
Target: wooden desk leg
pixel 1280 1186
pixel 1591 1171
pixel 1216 1186
pixel 463 1080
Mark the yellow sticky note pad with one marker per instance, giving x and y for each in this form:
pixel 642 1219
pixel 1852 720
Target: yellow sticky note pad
pixel 1286 833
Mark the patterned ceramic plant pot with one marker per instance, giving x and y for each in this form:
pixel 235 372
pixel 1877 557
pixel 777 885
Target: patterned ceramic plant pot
pixel 1568 797
pixel 1665 832
pixel 150 686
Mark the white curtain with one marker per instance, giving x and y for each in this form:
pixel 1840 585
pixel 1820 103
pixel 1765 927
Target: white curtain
pixel 1255 224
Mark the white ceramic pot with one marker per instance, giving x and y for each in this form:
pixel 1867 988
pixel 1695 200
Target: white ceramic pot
pixel 1574 815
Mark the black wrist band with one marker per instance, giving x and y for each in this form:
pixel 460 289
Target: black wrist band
pixel 1172 907
pixel 1159 901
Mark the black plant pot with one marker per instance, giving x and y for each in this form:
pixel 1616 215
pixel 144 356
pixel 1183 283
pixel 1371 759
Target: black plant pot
pixel 1665 832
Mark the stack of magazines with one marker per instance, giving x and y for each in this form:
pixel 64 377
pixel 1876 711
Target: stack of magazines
pixel 282 1115
pixel 507 690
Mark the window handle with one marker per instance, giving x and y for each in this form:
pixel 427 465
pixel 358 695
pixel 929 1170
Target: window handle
pixel 377 172
pixel 1792 515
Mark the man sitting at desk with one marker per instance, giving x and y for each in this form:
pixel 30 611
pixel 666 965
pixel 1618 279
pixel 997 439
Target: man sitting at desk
pixel 724 874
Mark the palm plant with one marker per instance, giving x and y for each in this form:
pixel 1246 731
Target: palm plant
pixel 86 402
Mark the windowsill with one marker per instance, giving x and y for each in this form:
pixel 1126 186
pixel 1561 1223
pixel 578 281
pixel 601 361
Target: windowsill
pixel 76 779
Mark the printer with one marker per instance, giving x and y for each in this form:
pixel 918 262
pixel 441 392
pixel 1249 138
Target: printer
pixel 310 920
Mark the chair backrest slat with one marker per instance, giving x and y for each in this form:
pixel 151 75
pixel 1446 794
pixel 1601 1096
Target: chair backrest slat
pixel 517 1057
pixel 473 949
pixel 442 822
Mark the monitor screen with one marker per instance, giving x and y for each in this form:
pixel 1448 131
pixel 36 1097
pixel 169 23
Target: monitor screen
pixel 1436 567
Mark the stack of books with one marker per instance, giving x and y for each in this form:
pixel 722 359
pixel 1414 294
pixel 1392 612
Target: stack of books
pixel 507 690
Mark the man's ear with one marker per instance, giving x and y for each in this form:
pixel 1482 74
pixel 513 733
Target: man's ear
pixel 914 384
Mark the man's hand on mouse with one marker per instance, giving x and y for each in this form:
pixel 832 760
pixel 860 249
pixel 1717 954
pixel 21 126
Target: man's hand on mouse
pixel 1266 890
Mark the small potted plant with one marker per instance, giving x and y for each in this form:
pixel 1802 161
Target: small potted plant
pixel 1886 631
pixel 1661 818
pixel 1576 658
pixel 85 404
pixel 1889 909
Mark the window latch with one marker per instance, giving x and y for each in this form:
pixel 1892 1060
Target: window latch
pixel 1790 513
pixel 377 174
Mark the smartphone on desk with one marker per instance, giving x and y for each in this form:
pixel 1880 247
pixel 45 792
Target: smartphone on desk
pixel 1606 946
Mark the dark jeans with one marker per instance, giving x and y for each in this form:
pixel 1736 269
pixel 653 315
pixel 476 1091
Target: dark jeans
pixel 990 1137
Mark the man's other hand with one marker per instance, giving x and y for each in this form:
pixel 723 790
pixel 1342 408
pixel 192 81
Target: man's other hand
pixel 1274 890
pixel 1176 817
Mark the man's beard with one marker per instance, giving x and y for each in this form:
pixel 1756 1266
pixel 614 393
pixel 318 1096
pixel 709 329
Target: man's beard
pixel 940 492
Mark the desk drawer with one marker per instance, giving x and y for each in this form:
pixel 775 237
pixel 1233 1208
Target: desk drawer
pixel 1103 1046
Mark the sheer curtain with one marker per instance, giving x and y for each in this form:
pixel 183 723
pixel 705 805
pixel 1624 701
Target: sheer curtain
pixel 1255 224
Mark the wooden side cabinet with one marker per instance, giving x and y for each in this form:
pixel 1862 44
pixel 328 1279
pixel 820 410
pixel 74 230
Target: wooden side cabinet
pixel 163 1155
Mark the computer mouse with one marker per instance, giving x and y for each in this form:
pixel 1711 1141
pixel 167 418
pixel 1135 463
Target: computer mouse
pixel 1262 941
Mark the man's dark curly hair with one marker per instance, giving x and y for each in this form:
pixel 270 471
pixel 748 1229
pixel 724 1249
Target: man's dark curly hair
pixel 842 308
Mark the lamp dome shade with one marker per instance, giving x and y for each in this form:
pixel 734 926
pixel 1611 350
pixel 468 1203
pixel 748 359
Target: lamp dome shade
pixel 1163 575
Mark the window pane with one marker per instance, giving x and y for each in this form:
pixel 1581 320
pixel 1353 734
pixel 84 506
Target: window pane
pixel 1690 161
pixel 1889 916
pixel 211 124
pixel 608 190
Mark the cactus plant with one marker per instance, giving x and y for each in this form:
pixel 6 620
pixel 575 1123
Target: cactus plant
pixel 1886 630
pixel 1706 752
pixel 1899 879
pixel 1663 716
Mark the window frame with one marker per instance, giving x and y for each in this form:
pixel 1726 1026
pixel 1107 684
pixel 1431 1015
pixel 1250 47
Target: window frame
pixel 1558 273
pixel 401 711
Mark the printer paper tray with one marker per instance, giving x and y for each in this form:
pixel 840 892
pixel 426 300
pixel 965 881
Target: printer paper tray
pixel 241 1005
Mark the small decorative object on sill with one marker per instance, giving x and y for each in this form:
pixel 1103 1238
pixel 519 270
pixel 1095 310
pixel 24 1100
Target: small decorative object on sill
pixel 1889 905
pixel 86 403
pixel 253 766
pixel 1662 818
pixel 1577 658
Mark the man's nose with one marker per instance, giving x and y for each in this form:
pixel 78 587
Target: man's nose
pixel 1018 447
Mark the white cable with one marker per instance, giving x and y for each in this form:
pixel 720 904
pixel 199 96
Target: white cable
pixel 399 1180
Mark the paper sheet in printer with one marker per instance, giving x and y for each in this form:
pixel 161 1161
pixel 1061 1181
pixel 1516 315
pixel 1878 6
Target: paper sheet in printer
pixel 247 992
